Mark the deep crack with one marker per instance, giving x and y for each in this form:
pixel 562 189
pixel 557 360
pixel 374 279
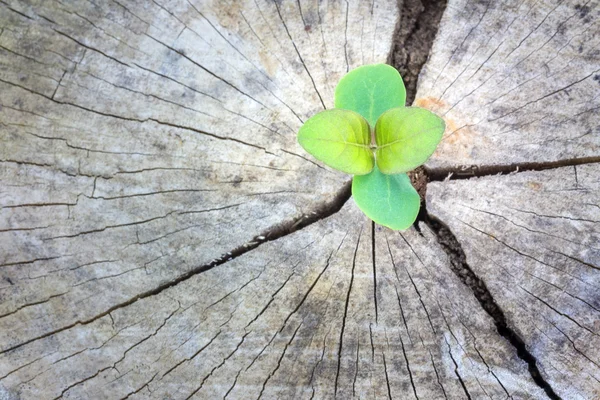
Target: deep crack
pixel 417 27
pixel 421 176
pixel 472 171
pixel 460 267
pixel 323 211
pixel 413 39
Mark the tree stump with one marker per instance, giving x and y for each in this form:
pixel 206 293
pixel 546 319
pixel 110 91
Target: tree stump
pixel 163 235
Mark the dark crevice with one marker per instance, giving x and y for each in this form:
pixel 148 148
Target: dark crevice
pixel 417 27
pixel 322 211
pixel 343 328
pixel 413 39
pixel 472 171
pixel 421 176
pixel 460 267
pixel 374 270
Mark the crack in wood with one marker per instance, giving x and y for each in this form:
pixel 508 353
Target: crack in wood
pixel 414 36
pixel 193 355
pixel 287 345
pixel 462 383
pixel 460 267
pixel 134 119
pixel 356 366
pixel 341 341
pixel 489 369
pixel 476 171
pixel 219 366
pixel 321 212
pixel 437 375
pixel 387 379
pixel 374 270
pixel 410 375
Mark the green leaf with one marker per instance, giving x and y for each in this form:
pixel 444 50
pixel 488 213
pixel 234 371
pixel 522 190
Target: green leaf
pixel 339 138
pixel 406 137
pixel 389 200
pixel 370 90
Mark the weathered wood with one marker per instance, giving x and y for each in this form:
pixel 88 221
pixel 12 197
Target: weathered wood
pixel 533 238
pixel 305 316
pixel 141 140
pixel 517 82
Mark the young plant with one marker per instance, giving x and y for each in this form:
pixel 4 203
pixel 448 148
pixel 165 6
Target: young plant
pixel 373 136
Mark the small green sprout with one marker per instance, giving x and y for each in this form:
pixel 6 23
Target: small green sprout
pixel 369 102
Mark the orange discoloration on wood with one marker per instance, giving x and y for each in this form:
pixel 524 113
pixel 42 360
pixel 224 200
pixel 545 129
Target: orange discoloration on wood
pixel 459 137
pixel 454 144
pixel 268 62
pixel 534 185
pixel 431 103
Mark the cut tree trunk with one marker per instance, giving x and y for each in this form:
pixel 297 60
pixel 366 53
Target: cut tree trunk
pixel 163 235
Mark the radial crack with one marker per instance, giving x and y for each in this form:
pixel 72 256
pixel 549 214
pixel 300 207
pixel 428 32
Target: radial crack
pixel 460 267
pixel 472 171
pixel 323 211
pixel 341 342
pixel 413 40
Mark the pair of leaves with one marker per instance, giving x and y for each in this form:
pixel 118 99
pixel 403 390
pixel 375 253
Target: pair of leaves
pixel 373 96
pixel 405 137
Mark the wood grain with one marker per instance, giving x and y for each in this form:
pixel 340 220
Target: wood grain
pixel 141 140
pixel 310 315
pixel 151 186
pixel 517 82
pixel 533 238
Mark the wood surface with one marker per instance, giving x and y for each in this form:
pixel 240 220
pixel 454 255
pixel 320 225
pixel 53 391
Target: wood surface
pixel 150 178
pixel 516 81
pixel 537 248
pixel 141 141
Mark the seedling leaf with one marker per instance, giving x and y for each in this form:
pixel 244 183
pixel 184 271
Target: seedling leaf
pixel 389 200
pixel 370 90
pixel 406 137
pixel 340 139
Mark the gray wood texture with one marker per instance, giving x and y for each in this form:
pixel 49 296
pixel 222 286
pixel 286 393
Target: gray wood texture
pixel 516 81
pixel 142 141
pixel 305 316
pixel 534 239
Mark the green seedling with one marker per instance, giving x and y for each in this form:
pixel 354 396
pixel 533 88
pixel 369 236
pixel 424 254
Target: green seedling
pixel 372 135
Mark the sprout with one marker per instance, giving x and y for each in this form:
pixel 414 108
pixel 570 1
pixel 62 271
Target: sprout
pixel 370 98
